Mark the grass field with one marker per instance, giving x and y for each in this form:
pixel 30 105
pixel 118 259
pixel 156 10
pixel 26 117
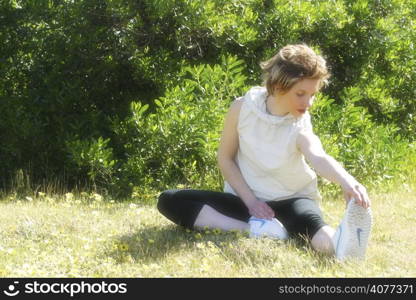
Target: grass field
pixel 85 236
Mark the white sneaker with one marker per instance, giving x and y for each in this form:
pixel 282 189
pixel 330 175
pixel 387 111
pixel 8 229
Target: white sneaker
pixel 353 233
pixel 269 228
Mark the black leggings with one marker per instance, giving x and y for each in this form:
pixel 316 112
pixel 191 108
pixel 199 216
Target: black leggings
pixel 298 215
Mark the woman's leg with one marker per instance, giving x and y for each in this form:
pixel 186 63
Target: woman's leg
pixel 209 217
pixel 200 208
pixel 322 241
pixel 303 216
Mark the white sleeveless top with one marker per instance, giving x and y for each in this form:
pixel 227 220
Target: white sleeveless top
pixel 268 158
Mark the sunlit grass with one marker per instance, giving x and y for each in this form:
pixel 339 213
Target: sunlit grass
pixel 84 235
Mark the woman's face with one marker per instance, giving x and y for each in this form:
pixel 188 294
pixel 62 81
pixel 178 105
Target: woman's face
pixel 299 98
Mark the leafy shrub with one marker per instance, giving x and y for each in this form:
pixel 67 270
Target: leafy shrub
pixel 371 152
pixel 95 157
pixel 178 142
pixel 74 68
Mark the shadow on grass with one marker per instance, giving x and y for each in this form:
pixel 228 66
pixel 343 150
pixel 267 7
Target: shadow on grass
pixel 152 244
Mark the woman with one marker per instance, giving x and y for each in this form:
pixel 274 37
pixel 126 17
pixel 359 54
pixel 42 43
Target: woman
pixel 269 189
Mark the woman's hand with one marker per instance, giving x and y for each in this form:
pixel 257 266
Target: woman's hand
pixel 260 209
pixel 354 190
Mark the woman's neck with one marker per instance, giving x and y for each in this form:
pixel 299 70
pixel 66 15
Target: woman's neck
pixel 273 107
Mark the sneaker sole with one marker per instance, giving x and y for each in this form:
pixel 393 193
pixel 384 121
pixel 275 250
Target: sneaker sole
pixel 356 232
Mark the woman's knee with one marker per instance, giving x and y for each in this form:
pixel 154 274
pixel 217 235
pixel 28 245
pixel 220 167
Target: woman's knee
pixel 165 200
pixel 322 240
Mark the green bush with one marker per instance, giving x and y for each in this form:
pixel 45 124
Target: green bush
pixel 75 68
pixel 95 158
pixel 177 144
pixel 371 152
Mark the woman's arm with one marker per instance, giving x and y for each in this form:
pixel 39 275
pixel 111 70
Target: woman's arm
pixel 326 166
pixel 227 151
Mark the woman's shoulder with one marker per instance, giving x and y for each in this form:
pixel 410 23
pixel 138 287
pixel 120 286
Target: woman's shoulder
pixel 235 108
pixel 247 103
pixel 250 97
pixel 238 101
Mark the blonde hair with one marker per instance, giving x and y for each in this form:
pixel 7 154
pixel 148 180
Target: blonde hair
pixel 292 64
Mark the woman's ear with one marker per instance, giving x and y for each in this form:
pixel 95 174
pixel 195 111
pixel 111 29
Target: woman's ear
pixel 277 90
